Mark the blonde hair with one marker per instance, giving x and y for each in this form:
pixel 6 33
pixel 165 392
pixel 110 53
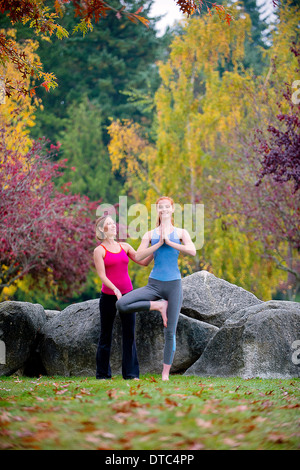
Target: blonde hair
pixel 100 227
pixel 158 221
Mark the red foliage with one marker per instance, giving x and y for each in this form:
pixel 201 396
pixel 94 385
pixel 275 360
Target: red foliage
pixel 191 6
pixel 44 232
pixel 280 152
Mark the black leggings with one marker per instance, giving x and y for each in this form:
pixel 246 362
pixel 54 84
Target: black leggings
pixel 130 365
pixel 139 301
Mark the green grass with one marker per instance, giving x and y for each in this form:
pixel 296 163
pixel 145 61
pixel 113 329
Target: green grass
pixel 186 413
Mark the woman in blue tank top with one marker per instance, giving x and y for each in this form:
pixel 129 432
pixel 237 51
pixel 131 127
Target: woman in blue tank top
pixel 164 243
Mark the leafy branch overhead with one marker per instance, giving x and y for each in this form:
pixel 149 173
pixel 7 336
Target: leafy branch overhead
pixel 45 23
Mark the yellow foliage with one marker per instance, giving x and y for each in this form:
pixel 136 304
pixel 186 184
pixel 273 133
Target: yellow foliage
pixel 132 155
pixel 287 31
pixel 17 113
pixel 201 116
pixel 8 292
pixel 234 256
pixel 187 113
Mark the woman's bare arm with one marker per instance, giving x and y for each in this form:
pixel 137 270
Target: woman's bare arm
pixel 132 254
pixel 187 247
pixel 144 250
pixel 99 252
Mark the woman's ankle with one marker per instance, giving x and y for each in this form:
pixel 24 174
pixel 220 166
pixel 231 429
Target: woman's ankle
pixel 160 306
pixel 165 372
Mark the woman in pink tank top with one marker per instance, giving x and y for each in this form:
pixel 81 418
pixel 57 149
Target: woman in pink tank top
pixel 111 260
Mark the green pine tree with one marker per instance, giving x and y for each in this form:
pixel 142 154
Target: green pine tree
pixel 258 42
pixel 117 56
pixel 89 166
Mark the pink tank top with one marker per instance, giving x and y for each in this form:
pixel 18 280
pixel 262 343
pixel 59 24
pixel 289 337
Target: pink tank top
pixel 116 268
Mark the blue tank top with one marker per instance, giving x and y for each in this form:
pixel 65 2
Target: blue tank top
pixel 165 259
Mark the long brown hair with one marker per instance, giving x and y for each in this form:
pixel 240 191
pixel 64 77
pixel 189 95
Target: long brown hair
pixel 158 221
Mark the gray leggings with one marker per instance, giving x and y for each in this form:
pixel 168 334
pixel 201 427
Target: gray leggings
pixel 138 300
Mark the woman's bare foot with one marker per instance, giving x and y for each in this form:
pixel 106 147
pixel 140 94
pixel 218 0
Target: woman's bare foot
pixel 161 306
pixel 165 372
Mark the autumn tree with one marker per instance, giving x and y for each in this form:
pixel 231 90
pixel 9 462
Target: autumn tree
pixel 262 192
pixel 17 113
pixel 43 17
pixel 279 150
pixel 45 233
pixel 205 114
pixel 115 57
pixel 132 154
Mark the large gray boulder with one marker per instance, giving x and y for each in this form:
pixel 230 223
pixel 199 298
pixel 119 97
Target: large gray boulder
pixel 213 300
pixel 69 339
pixel 222 330
pixel 69 342
pixel 258 341
pixel 20 325
pixel 192 337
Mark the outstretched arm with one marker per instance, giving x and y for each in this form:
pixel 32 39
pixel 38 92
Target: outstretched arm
pixel 132 254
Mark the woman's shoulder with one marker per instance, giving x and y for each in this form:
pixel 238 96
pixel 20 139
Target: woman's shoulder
pixel 179 231
pixel 100 250
pixel 126 246
pixel 148 235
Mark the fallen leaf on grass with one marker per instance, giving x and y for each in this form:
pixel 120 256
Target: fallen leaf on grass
pixel 203 424
pixel 112 393
pixel 32 409
pixel 230 442
pixel 260 419
pixel 249 428
pixel 93 440
pixel 277 438
pixel 35 439
pixel 198 393
pixel 196 446
pixel 237 409
pixel 145 394
pixel 152 379
pixel 100 445
pixel 121 417
pixel 5 418
pixel 290 406
pixel 170 402
pixel 125 406
pixel 88 426
pixel 84 391
pixel 107 435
